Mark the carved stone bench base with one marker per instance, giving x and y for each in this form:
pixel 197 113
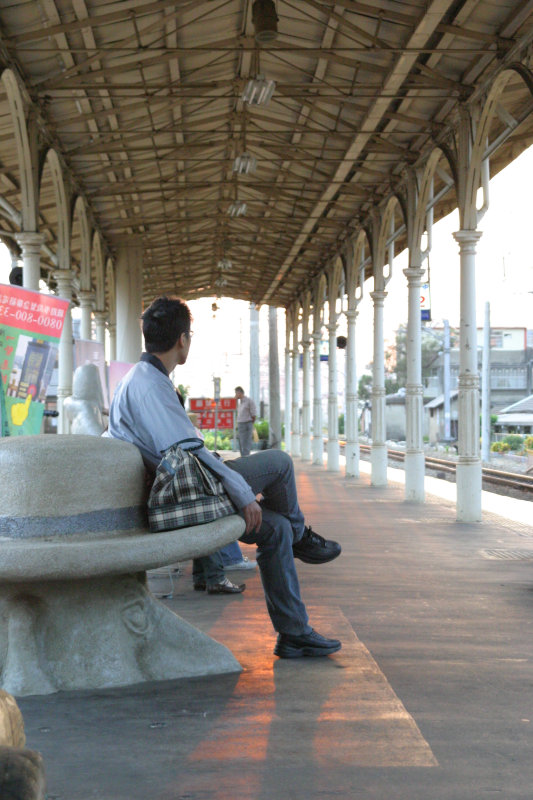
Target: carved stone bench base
pixel 95 633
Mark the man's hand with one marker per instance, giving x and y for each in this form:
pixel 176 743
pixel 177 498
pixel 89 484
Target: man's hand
pixel 252 516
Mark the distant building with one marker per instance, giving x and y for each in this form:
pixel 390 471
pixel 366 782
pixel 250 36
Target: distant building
pixel 516 418
pixel 511 362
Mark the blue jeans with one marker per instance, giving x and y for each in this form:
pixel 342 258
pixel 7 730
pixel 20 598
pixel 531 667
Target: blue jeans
pixel 271 473
pixel 231 554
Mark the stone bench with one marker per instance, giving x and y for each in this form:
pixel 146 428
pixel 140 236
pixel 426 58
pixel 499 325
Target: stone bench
pixel 75 610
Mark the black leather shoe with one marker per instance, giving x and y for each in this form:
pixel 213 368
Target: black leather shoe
pixel 226 587
pixel 314 549
pixel 310 644
pixel 200 586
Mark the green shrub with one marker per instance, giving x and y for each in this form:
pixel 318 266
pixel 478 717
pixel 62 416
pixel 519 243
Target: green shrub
pixel 223 440
pixel 514 440
pixel 528 443
pixel 499 447
pixel 341 424
pixel 261 427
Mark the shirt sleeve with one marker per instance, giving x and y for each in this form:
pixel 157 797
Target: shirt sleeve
pixel 253 408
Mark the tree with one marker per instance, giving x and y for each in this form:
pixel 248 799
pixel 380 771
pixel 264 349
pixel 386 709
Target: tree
pixel 365 387
pixel 396 355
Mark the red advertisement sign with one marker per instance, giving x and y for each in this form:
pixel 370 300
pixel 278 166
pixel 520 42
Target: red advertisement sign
pixel 228 403
pixel 205 403
pixel 200 403
pixel 206 420
pixel 32 312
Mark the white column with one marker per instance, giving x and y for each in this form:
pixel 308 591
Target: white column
pixel 378 453
pixel 414 395
pixel 100 318
pixel 287 414
pixel 351 422
pixel 485 389
pixel 469 463
pixel 112 329
pixel 254 355
pixel 306 400
pixel 128 289
pixel 86 305
pixel 333 400
pixel 64 279
pixel 295 427
pixel 318 440
pixel 30 244
pixel 274 405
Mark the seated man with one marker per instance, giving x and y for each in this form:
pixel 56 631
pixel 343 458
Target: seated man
pixel 146 411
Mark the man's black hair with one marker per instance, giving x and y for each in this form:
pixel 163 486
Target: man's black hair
pixel 239 389
pixel 163 323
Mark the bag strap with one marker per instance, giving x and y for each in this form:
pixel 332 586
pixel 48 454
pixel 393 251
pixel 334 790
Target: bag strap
pixel 199 443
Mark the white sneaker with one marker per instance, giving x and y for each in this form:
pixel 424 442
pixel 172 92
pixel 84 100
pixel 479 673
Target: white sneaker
pixel 244 564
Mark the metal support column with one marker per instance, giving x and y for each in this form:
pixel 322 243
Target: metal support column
pixel 254 355
pixel 30 244
pixel 333 401
pixel 414 395
pixel 128 290
pixel 469 464
pixel 64 279
pixel 306 399
pixel 295 427
pixel 86 305
pixel 351 422
pixel 378 453
pixel 274 406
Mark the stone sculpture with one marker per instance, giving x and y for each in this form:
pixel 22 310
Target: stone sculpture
pixel 84 408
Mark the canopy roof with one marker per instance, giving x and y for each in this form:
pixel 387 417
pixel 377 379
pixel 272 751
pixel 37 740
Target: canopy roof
pixel 143 102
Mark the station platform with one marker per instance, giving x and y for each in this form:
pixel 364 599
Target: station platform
pixel 429 699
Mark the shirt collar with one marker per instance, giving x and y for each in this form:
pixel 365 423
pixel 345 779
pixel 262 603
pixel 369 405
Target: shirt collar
pixel 155 362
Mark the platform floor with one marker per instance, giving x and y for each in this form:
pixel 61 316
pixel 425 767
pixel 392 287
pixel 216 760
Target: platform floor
pixel 431 697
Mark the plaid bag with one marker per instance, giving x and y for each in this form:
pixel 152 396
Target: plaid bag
pixel 185 492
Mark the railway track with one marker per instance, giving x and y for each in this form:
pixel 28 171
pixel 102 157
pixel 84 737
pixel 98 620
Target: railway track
pixel 493 479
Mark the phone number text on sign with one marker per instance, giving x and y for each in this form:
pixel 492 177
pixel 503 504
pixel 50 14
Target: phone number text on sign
pixel 31 311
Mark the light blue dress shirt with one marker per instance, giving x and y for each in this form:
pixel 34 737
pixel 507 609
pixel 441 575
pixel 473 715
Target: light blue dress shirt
pixel 146 412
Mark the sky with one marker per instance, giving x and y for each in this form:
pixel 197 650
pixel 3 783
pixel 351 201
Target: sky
pixel 504 277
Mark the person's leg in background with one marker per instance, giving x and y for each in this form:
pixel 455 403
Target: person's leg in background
pixel 233 558
pixel 208 575
pixel 245 430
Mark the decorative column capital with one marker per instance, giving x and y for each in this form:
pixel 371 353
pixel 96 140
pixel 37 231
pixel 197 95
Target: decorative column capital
pixel 414 276
pixel 30 241
pixel 306 343
pixel 316 336
pixel 64 279
pixel 332 328
pixel 467 240
pixel 111 327
pixel 351 314
pixel 378 297
pixel 100 316
pixel 86 299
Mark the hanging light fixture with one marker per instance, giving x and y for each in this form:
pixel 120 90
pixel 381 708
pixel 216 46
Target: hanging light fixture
pixel 237 209
pixel 225 264
pixel 221 282
pixel 245 163
pixel 258 91
pixel 265 21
